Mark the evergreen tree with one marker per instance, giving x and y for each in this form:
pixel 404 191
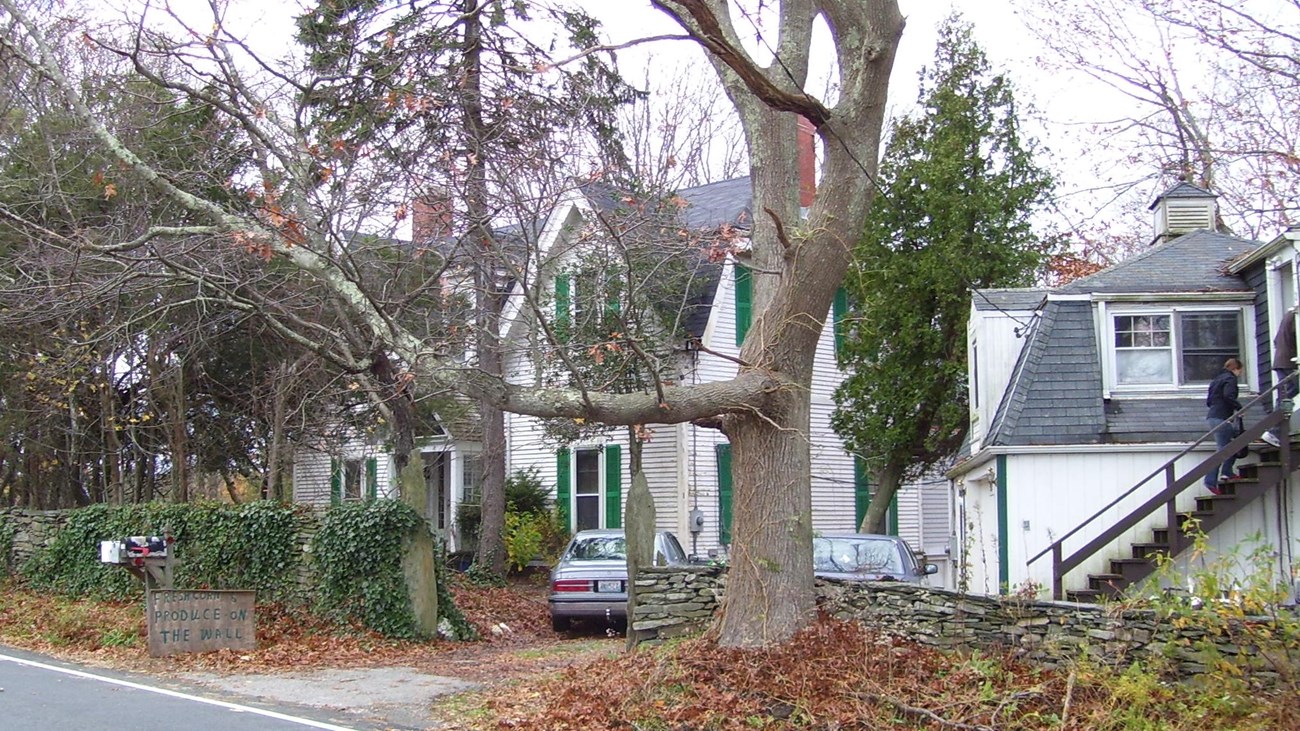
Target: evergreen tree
pixel 958 188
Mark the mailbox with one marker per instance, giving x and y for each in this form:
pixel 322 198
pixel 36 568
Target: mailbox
pixel 141 546
pixel 147 557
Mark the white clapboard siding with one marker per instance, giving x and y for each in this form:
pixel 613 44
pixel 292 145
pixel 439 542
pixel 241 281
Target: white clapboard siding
pixel 1045 501
pixel 311 476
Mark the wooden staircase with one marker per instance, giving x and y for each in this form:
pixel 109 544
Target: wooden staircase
pixel 1211 512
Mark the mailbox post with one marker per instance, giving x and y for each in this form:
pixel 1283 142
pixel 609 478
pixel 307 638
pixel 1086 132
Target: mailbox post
pixel 149 558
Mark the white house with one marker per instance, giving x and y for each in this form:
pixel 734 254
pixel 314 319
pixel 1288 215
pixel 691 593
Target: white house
pixel 687 466
pixel 1088 401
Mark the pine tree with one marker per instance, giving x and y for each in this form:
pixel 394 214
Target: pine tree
pixel 958 188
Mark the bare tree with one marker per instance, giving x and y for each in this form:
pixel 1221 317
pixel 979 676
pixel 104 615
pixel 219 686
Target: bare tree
pixel 1214 85
pixel 683 133
pixel 306 191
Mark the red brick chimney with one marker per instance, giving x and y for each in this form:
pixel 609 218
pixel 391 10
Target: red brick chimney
pixel 807 162
pixel 431 217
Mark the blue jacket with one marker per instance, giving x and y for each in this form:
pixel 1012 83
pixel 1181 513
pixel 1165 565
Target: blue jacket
pixel 1222 396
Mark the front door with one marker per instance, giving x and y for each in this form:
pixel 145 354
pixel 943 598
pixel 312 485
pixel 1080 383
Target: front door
pixel 436 505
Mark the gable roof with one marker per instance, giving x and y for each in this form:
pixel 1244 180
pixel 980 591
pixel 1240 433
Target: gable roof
pixel 1055 394
pixel 706 209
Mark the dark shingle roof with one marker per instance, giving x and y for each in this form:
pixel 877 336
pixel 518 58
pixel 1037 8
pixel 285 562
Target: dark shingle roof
pixel 1181 190
pixel 1055 395
pixel 1193 262
pixel 725 202
pixel 1056 389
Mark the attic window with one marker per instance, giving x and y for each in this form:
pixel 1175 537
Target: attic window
pixel 1174 347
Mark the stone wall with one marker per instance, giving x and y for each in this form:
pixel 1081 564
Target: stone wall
pixel 32 530
pixel 678 601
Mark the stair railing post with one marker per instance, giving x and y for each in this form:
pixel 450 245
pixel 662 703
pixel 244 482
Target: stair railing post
pixel 1175 531
pixel 1057 580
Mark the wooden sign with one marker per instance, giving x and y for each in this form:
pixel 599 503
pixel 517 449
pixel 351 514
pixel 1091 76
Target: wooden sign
pixel 200 621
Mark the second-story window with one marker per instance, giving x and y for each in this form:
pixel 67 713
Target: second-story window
pixel 1174 347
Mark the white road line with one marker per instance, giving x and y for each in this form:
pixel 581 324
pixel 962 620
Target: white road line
pixel 176 694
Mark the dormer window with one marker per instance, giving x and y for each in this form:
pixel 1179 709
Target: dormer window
pixel 1173 347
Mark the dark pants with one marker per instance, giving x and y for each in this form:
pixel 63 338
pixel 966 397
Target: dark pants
pixel 1224 432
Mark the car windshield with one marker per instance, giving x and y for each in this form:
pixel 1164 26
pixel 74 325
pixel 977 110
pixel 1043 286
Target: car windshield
pixel 856 556
pixel 599 548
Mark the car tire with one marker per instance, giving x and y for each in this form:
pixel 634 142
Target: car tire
pixel 560 624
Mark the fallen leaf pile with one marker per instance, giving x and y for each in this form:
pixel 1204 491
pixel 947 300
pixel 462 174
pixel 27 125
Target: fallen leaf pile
pixel 838 675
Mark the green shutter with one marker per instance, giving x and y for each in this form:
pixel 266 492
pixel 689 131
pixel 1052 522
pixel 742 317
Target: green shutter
pixel 839 311
pixel 336 481
pixel 891 521
pixel 372 478
pixel 563 487
pixel 562 307
pixel 724 494
pixel 613 486
pixel 861 492
pixel 744 301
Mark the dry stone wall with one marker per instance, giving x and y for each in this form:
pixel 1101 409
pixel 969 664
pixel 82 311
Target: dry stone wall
pixel 677 601
pixel 32 529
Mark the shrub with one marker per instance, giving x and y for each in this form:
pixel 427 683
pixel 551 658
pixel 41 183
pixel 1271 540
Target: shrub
pixel 523 538
pixel 525 493
pixel 218 546
pixel 358 553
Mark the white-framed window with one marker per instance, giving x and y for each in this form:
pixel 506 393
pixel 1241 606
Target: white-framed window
pixel 353 475
pixel 587 488
pixel 1173 347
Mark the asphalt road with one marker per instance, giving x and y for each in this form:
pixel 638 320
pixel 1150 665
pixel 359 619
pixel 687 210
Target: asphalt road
pixel 38 693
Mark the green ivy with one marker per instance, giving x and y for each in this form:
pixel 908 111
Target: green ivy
pixel 358 553
pixel 250 546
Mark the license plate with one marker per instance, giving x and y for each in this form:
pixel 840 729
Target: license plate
pixel 609 587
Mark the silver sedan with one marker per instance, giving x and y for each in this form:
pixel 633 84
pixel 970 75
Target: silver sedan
pixel 590 579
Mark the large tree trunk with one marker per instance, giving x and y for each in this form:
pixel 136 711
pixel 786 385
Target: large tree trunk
pixel 491 554
pixel 770 582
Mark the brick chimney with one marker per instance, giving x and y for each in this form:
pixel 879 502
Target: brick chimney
pixel 431 217
pixel 807 142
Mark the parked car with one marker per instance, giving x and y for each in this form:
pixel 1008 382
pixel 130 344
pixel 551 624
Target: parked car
pixel 590 579
pixel 867 557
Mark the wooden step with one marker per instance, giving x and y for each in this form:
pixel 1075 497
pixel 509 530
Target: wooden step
pixel 1087 596
pixel 1110 585
pixel 1207 503
pixel 1150 550
pixel 1132 569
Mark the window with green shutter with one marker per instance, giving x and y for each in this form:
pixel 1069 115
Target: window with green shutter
pixel 861 492
pixel 744 301
pixel 336 480
pixel 563 488
pixel 613 486
pixel 724 493
pixel 372 478
pixel 563 321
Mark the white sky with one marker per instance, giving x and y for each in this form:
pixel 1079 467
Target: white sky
pixel 1010 46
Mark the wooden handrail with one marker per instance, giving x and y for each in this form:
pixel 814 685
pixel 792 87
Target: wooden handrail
pixel 1173 487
